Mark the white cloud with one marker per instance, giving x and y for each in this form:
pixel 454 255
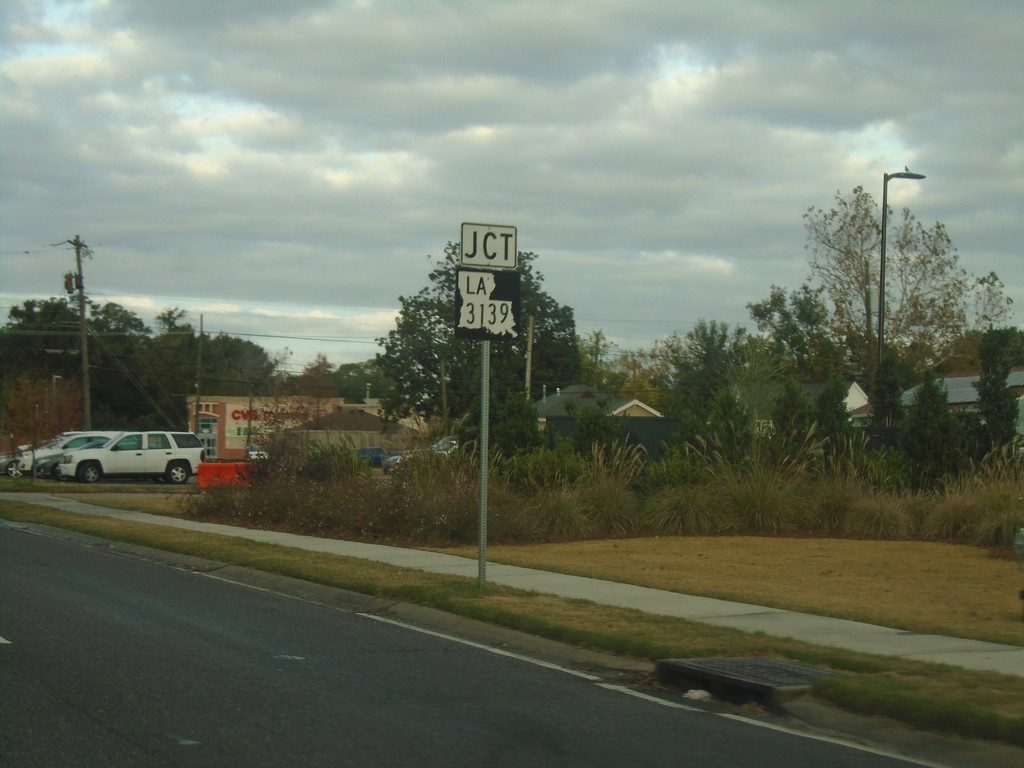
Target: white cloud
pixel 288 167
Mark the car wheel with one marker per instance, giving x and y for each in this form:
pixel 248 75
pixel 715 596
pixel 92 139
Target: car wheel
pixel 177 473
pixel 89 472
pixel 14 470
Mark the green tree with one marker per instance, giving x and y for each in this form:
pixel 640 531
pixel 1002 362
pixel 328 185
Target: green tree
pixel 887 393
pixel 639 376
pixel 41 338
pixel 697 366
pixel 832 416
pixel 354 380
pixel 514 426
pixel 317 383
pixel 595 426
pixel 125 392
pixel 168 373
pixel 931 436
pixel 797 330
pixel 997 402
pixel 730 426
pixel 792 415
pixel 756 377
pixel 598 367
pixel 233 366
pixel 434 373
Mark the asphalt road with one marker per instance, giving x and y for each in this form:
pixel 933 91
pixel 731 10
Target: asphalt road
pixel 112 660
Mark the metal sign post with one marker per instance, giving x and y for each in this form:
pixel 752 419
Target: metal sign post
pixel 488 307
pixel 485 429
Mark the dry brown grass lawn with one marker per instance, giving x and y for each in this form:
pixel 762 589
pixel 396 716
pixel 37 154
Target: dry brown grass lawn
pixel 943 588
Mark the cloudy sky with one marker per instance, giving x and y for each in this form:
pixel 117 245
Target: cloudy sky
pixel 285 169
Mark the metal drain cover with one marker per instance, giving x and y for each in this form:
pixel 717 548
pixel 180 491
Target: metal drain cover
pixel 742 679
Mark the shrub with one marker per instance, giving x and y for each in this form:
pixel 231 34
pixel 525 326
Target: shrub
pixel 331 462
pixel 999 523
pixel 683 510
pixel 834 495
pixel 677 466
pixel 543 468
pixel 433 498
pixel 611 507
pixel 559 513
pixel 759 499
pixel 557 494
pixel 950 517
pixel 876 516
pixel 618 461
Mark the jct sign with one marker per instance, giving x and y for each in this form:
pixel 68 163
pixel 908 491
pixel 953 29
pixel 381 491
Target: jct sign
pixel 489 246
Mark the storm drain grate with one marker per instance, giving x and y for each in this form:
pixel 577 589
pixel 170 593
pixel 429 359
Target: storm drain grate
pixel 766 681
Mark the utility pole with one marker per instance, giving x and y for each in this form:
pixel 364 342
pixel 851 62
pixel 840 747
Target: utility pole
pixel 199 374
pixel 444 398
pixel 529 355
pixel 81 248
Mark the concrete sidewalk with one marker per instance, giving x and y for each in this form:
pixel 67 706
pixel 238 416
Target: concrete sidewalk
pixel 839 633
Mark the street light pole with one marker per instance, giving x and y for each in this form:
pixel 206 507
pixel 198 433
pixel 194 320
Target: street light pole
pixel 881 269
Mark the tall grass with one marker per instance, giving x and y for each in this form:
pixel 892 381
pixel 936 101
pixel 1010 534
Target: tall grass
pixel 878 516
pixel 984 507
pixel 558 494
pixel 759 499
pixel 682 510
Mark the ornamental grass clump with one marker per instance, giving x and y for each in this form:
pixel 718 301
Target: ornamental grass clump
pixel 758 498
pixel 558 514
pixel 949 517
pixel 878 516
pixel 834 494
pixel 683 510
pixel 607 494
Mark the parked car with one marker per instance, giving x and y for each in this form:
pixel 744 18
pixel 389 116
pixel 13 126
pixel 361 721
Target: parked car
pixel 444 446
pixel 44 460
pixel 9 464
pixel 375 456
pixel 18 464
pixel 169 456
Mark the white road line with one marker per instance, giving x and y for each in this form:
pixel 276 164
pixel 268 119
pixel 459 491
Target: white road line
pixel 481 646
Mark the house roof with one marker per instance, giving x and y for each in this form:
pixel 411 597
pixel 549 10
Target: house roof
pixel 582 396
pixel 961 390
pixel 352 420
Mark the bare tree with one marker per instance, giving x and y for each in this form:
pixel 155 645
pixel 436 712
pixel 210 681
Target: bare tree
pixel 931 301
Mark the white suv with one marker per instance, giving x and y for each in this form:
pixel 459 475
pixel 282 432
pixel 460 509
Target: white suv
pixel 170 456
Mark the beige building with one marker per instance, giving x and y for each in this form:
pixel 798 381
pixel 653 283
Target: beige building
pixel 228 425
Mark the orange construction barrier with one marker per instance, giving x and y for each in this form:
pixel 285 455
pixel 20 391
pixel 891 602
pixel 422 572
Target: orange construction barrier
pixel 214 473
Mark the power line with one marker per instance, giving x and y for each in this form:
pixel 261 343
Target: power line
pixel 36 249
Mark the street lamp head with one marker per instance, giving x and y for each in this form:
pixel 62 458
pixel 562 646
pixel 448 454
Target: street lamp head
pixel 904 175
